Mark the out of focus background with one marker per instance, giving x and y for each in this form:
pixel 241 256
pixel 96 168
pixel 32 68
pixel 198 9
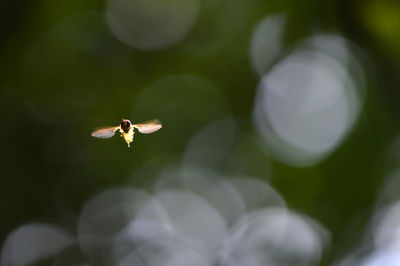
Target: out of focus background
pixel 280 142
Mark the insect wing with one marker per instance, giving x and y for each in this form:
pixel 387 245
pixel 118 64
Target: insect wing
pixel 148 127
pixel 105 132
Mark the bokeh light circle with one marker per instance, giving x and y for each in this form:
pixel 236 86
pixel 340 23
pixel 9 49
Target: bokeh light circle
pixel 274 236
pixel 266 42
pixel 151 24
pixel 34 242
pixel 307 103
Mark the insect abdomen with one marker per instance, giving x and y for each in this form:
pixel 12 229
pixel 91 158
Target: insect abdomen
pixel 128 137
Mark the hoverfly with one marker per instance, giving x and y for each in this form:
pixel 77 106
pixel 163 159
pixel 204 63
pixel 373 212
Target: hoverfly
pixel 126 128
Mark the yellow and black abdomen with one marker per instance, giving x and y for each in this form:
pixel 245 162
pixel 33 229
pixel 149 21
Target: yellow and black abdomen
pixel 128 136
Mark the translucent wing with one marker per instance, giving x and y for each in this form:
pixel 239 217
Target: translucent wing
pixel 148 127
pixel 105 132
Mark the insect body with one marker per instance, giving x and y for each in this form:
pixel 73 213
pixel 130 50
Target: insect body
pixel 126 128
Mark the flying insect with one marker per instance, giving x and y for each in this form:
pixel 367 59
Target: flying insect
pixel 127 130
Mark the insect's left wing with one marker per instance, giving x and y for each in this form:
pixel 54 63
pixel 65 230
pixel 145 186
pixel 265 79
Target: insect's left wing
pixel 148 127
pixel 105 132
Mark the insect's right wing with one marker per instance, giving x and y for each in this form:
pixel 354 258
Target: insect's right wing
pixel 105 132
pixel 149 126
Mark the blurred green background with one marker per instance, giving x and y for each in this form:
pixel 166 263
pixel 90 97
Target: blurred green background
pixel 64 72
